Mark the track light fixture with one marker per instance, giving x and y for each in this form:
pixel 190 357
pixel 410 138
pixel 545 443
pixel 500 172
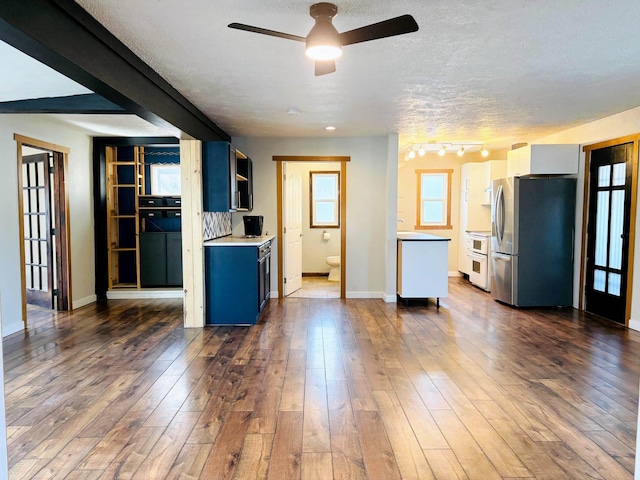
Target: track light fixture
pixel 442 148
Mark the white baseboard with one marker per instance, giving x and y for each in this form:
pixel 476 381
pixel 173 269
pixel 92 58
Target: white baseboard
pixel 9 328
pixel 455 274
pixel 390 298
pixel 84 301
pixel 145 293
pixel 634 324
pixel 273 294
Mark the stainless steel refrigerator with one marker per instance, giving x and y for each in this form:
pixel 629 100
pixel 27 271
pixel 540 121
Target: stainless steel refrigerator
pixel 532 240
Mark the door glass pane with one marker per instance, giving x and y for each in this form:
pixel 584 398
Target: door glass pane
pixel 602 228
pixel 617 224
pixel 614 284
pixel 604 176
pixel 619 173
pixel 599 277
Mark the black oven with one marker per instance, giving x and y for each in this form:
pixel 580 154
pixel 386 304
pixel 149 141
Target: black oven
pixel 264 274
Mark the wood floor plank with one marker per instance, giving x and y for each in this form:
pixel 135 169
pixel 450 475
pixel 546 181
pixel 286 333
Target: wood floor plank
pixel 255 457
pixel 406 449
pixel 316 466
pixel 286 454
pixel 226 452
pixel 379 460
pixel 190 462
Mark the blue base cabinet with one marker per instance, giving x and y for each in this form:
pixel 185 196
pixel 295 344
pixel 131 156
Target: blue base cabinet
pixel 232 285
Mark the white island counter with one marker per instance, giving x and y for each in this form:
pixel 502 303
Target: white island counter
pixel 423 261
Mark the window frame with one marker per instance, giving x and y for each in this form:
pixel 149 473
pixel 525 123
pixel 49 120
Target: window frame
pixel 419 199
pixel 336 200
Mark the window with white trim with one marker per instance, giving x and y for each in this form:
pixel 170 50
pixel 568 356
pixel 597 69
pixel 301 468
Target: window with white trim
pixel 434 199
pixel 324 199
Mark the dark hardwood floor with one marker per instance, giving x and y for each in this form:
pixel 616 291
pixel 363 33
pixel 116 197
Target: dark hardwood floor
pixel 323 388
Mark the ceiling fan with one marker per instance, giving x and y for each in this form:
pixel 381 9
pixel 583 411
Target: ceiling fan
pixel 324 43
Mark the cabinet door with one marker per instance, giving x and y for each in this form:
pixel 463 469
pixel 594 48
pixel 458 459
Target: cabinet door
pixel 174 258
pixel 245 184
pixel 153 265
pixel 231 285
pixel 216 177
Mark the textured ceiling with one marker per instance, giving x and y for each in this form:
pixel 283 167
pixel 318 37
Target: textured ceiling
pixel 491 71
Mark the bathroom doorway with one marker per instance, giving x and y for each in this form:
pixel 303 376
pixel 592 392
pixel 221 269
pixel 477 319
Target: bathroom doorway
pixel 311 208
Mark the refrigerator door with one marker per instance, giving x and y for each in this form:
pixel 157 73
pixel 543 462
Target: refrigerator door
pixel 502 210
pixel 502 277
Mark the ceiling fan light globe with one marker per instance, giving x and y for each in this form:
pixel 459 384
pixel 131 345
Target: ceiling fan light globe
pixel 324 52
pixel 323 41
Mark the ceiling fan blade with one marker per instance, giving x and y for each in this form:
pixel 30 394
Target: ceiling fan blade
pixel 264 31
pixel 386 28
pixel 325 66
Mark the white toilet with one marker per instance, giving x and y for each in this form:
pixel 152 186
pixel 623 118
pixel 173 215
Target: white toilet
pixel 334 263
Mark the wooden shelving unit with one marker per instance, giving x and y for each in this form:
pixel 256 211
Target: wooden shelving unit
pixel 125 183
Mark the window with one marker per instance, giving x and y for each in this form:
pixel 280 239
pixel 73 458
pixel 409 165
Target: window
pixel 434 199
pixel 324 199
pixel 165 179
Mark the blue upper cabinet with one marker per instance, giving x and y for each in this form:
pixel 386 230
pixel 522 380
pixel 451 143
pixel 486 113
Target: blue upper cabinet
pixel 226 178
pixel 219 177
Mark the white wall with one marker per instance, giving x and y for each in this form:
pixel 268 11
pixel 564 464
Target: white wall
pixel 79 188
pixel 315 249
pixel 407 194
pixel 368 260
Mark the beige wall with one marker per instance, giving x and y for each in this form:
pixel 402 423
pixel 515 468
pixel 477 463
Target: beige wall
pixel 407 194
pixel 80 191
pixel 370 216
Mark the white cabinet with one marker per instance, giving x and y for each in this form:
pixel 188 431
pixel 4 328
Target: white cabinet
pixel 543 160
pixel 475 203
pixel 423 267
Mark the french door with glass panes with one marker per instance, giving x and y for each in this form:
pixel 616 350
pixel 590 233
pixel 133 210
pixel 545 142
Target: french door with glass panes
pixel 610 174
pixel 37 212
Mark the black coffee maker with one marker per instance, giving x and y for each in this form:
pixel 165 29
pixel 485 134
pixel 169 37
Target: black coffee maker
pixel 252 225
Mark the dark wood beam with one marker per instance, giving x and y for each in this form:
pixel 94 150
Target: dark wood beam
pixel 62 35
pixel 87 103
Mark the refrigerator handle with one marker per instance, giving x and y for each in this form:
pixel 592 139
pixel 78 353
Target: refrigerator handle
pixel 501 257
pixel 499 209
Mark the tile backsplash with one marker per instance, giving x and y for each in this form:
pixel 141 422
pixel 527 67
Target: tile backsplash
pixel 216 224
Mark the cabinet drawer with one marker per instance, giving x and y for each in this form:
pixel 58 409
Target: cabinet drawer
pixel 150 201
pixel 151 214
pixel 172 201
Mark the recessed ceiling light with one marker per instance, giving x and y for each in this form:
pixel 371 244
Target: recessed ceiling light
pixel 293 111
pixel 330 128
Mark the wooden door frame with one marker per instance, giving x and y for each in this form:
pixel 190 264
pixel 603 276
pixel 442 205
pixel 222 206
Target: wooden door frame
pixel 587 149
pixel 343 213
pixel 63 230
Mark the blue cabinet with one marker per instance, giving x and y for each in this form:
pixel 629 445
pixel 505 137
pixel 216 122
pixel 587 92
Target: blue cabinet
pixel 236 284
pixel 227 178
pixel 219 177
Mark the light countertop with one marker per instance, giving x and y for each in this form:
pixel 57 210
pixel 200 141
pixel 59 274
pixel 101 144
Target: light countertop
pixel 233 241
pixel 421 237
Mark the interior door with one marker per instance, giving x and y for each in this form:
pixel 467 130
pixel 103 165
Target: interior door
pixel 608 231
pixel 292 229
pixel 38 228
